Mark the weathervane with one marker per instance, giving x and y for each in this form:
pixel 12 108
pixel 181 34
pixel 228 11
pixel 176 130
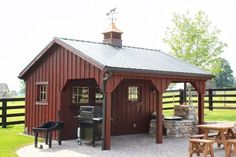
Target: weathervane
pixel 111 13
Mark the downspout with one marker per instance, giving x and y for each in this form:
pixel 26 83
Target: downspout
pixel 107 76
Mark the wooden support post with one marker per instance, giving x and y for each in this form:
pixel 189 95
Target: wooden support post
pixel 210 100
pixel 107 137
pixel 159 118
pixel 4 113
pixel 200 110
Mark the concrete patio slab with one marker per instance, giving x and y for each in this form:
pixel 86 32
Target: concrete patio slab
pixel 141 145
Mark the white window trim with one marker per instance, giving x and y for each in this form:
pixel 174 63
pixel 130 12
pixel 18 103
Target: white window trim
pixel 41 102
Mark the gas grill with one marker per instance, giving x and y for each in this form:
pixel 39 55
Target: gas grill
pixel 90 122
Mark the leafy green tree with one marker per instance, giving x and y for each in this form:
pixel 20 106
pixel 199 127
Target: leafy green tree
pixel 194 40
pixel 225 78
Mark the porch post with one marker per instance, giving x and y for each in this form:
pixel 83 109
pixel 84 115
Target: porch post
pixel 200 107
pixel 107 137
pixel 159 117
pixel 200 86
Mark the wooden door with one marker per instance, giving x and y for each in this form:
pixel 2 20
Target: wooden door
pixel 128 117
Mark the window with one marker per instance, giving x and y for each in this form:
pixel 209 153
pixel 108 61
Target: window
pixel 80 94
pixel 42 92
pixel 134 94
pixel 98 95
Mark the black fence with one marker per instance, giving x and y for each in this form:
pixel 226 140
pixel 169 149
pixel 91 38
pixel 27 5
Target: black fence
pixel 10 109
pixel 214 98
pixel 172 97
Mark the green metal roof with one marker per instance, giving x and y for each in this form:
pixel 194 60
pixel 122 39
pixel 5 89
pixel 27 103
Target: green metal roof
pixel 136 59
pixel 125 59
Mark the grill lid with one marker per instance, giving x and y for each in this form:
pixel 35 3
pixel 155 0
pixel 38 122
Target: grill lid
pixel 88 113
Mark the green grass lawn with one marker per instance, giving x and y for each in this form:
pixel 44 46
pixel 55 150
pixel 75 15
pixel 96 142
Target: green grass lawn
pixel 220 115
pixel 11 139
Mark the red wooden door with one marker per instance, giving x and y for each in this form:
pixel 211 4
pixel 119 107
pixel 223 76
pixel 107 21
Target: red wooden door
pixel 127 117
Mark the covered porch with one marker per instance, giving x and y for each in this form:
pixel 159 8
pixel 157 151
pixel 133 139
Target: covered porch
pixel 157 84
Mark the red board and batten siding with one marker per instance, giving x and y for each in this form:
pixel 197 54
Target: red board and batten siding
pixel 116 97
pixel 134 117
pixel 56 67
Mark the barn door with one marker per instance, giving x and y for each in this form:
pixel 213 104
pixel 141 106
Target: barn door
pixel 128 116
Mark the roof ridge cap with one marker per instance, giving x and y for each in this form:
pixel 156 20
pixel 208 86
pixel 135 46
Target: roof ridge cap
pixel 81 40
pixel 107 44
pixel 141 48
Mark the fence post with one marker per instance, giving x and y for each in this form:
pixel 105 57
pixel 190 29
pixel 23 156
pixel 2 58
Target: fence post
pixel 210 99
pixel 185 92
pixel 4 113
pixel 181 96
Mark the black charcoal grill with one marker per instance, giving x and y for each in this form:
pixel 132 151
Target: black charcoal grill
pixel 48 127
pixel 90 121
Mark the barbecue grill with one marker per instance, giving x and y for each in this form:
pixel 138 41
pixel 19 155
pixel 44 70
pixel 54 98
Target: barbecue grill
pixel 48 127
pixel 90 121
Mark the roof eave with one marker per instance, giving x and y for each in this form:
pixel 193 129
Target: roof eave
pixel 23 72
pixel 155 72
pixel 80 54
pixel 66 46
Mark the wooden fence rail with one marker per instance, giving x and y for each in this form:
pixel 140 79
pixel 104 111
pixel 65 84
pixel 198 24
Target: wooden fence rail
pixel 5 115
pixel 213 98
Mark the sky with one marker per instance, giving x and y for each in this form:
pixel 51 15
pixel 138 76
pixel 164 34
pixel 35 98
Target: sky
pixel 27 26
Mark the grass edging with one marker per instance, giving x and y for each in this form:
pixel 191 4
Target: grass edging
pixel 12 140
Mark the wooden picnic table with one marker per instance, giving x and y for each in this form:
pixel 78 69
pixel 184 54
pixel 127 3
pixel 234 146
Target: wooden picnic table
pixel 225 130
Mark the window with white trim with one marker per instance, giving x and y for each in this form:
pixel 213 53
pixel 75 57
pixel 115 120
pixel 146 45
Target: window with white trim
pixel 134 94
pixel 80 94
pixel 42 92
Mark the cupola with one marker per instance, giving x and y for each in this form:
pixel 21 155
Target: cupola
pixel 112 36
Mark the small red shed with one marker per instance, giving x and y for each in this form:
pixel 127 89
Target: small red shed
pixel 69 73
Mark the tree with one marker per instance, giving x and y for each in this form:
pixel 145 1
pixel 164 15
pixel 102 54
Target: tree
pixel 225 78
pixel 195 41
pixel 22 87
